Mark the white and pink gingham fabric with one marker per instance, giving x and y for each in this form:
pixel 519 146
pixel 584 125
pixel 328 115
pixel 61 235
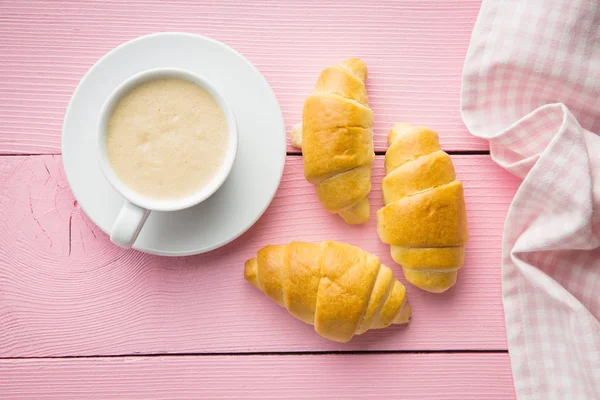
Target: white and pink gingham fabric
pixel 531 86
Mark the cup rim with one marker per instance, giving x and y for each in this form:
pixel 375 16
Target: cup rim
pixel 165 204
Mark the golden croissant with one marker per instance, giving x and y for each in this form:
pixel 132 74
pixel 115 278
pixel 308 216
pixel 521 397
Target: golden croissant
pixel 424 218
pixel 340 289
pixel 337 140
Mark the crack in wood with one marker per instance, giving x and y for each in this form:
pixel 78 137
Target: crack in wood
pixel 47 171
pixel 70 228
pixel 36 220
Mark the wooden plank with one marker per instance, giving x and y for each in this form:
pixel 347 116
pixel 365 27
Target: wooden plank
pixel 66 290
pixel 414 49
pixel 364 376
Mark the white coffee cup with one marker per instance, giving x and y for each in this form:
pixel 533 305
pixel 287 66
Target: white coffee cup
pixel 137 207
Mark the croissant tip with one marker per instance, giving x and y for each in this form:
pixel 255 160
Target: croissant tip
pixel 296 136
pixel 435 289
pixel 404 316
pixel 250 269
pixel 357 66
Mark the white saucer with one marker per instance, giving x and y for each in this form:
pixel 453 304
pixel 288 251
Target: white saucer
pixel 258 168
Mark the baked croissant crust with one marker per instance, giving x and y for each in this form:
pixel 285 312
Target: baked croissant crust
pixel 336 138
pixel 340 289
pixel 424 218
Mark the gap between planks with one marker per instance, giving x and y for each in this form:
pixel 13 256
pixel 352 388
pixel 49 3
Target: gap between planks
pixel 450 152
pixel 290 153
pixel 266 353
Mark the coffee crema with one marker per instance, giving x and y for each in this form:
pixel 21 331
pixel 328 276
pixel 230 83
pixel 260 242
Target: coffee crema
pixel 167 138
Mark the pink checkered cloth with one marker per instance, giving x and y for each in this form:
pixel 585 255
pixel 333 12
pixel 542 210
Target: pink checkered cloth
pixel 531 86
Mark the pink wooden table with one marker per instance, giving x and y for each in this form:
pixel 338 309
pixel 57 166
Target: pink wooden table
pixel 82 318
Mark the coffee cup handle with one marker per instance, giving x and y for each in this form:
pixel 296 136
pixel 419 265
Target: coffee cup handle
pixel 128 224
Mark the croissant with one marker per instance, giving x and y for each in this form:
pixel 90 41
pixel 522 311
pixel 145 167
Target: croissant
pixel 340 289
pixel 337 140
pixel 424 218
